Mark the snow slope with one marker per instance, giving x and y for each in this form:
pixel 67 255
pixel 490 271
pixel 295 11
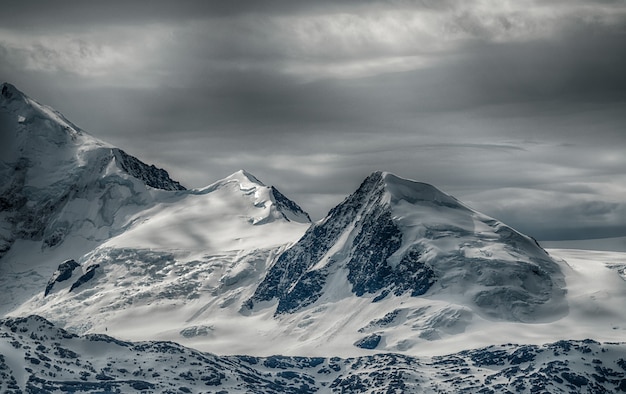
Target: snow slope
pixel 237 213
pixel 617 244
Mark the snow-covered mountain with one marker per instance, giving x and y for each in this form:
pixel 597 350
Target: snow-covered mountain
pixel 199 263
pixel 96 241
pixel 57 179
pixel 192 258
pixel 39 357
pixel 394 236
pixel 64 193
pixel 60 189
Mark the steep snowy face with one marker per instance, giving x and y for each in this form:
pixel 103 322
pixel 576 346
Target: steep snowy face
pixel 395 237
pixel 55 179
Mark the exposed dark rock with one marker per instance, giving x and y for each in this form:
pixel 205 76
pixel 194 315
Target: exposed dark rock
pixel 295 285
pixel 368 342
pixel 149 174
pixel 91 271
pixel 283 204
pixel 63 273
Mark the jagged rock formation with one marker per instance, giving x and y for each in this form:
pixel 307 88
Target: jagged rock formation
pixel 152 176
pixel 63 273
pixel 287 207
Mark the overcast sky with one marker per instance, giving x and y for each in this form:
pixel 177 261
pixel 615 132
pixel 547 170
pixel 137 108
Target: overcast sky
pixel 517 108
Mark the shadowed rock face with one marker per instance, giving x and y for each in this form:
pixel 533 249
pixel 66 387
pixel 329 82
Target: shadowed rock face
pixel 149 174
pixel 368 342
pixel 394 236
pixel 286 206
pixel 63 273
pixel 295 285
pixel 91 271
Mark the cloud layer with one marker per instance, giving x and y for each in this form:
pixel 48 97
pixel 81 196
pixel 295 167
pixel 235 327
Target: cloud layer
pixel 517 107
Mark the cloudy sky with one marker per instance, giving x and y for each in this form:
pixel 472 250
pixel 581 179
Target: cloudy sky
pixel 518 108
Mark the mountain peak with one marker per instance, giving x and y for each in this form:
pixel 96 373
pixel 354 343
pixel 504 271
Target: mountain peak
pixel 243 176
pixel 37 121
pixel 269 204
pixel 385 188
pixel 56 180
pixel 399 237
pixel 244 181
pixel 415 192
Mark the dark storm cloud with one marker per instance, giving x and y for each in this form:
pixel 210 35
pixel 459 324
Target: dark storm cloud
pixel 495 102
pixel 36 13
pixel 555 217
pixel 65 13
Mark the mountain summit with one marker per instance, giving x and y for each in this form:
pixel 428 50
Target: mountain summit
pixel 395 237
pixel 269 203
pixel 56 179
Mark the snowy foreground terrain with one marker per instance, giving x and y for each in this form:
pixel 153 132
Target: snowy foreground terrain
pixel 400 287
pixel 39 357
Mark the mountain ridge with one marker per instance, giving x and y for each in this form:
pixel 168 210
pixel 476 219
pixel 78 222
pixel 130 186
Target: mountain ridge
pixel 264 196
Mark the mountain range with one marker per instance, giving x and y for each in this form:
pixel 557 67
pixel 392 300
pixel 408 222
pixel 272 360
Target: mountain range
pixel 94 240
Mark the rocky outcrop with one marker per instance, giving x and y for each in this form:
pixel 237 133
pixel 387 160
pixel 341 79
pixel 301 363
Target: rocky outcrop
pixel 63 273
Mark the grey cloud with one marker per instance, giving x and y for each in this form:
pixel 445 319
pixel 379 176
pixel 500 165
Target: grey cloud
pixel 572 220
pixel 600 208
pixel 68 12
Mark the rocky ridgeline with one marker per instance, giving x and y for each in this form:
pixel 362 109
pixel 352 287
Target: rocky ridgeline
pixel 152 176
